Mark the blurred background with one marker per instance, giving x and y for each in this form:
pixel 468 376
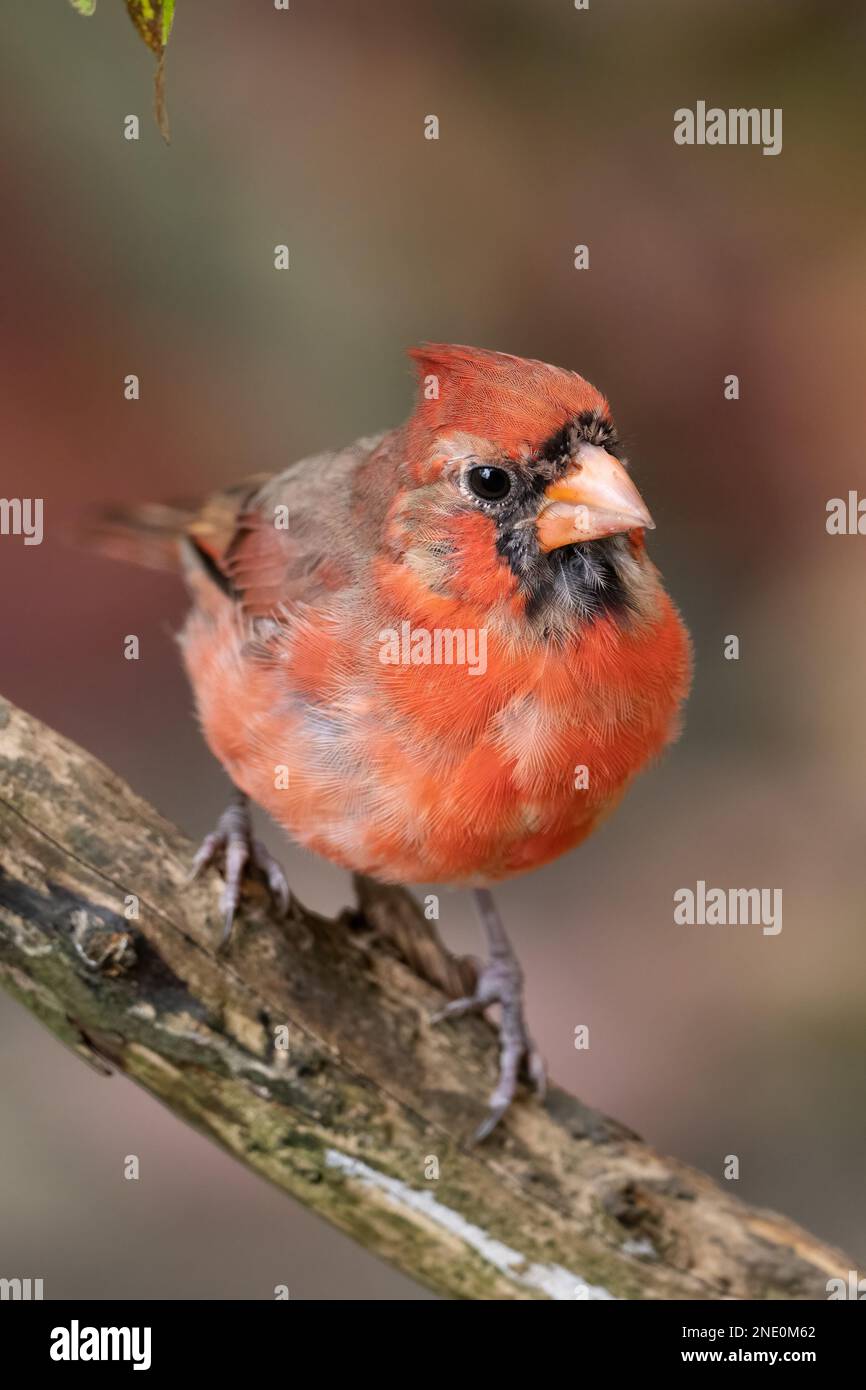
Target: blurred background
pixel 556 128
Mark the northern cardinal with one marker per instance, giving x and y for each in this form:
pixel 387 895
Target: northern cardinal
pixel 437 655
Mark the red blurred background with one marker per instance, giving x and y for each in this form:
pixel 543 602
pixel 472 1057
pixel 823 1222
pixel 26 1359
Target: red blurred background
pixel 556 128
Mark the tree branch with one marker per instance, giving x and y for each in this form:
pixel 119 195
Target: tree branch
pixel 353 1118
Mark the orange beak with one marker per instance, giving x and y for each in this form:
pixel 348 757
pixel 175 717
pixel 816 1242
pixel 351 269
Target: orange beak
pixel 596 497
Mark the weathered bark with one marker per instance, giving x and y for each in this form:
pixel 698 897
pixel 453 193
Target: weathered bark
pixel 560 1203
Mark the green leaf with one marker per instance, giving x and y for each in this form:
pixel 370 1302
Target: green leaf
pixel 167 19
pixel 83 6
pixel 153 20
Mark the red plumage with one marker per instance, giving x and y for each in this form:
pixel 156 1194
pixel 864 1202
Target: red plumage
pixel 423 772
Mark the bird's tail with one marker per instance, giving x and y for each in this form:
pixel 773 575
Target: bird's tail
pixel 149 534
pixel 181 539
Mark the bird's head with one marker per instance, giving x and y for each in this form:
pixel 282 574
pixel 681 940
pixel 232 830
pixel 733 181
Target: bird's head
pixel 514 478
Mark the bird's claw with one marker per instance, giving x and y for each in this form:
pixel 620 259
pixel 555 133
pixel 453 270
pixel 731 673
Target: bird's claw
pixel 501 982
pixel 242 857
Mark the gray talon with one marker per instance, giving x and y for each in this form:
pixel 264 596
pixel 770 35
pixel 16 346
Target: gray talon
pixel 501 982
pixel 242 857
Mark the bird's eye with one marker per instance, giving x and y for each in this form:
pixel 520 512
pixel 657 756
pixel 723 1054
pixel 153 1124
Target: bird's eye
pixel 490 484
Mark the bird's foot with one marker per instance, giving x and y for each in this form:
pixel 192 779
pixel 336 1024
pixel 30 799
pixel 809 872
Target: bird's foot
pixel 501 982
pixel 241 857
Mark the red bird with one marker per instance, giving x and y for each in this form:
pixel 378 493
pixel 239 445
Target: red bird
pixel 440 654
